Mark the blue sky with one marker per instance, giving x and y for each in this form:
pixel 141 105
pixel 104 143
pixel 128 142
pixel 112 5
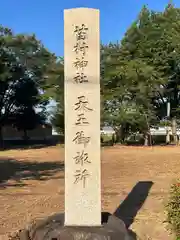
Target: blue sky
pixel 45 17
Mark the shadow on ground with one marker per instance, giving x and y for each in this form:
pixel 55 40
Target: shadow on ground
pixel 128 209
pixel 11 169
pixel 31 144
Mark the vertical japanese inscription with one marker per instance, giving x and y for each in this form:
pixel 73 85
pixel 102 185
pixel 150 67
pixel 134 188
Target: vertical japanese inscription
pixel 80 63
pixel 80 49
pixel 81 158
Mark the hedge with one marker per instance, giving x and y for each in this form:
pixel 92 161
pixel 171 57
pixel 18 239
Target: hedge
pixel 173 209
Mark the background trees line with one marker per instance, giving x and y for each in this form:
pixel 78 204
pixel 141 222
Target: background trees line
pixel 142 73
pixel 24 66
pixel 139 75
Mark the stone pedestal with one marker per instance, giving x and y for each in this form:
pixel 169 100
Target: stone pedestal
pixel 53 228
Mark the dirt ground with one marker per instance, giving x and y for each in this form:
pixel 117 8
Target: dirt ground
pixel 32 186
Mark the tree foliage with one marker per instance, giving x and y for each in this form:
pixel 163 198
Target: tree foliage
pixel 27 119
pixel 24 69
pixel 141 73
pixel 56 92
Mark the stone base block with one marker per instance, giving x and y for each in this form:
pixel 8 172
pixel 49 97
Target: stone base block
pixel 53 228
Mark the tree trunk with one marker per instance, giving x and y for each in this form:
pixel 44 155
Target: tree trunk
pixel 122 134
pixel 174 131
pixel 25 135
pixel 146 139
pixel 167 135
pixel 147 134
pixel 118 134
pixel 1 138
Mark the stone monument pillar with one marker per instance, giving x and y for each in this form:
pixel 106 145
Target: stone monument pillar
pixel 82 117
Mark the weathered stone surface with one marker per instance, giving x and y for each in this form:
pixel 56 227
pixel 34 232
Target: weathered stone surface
pixel 82 117
pixel 53 228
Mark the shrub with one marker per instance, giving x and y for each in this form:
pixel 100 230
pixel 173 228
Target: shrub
pixel 173 209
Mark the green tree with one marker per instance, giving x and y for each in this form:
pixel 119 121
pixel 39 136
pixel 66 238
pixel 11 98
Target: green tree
pixel 127 92
pixel 158 46
pixel 24 70
pixel 144 68
pixel 56 92
pixel 27 119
